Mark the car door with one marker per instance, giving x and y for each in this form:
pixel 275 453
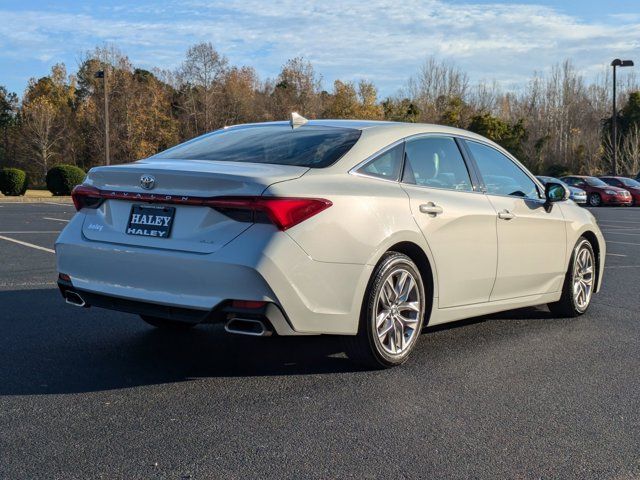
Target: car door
pixel 531 238
pixel 457 220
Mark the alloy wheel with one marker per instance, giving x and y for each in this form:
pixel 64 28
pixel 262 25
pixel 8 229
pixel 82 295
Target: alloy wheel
pixel 397 311
pixel 583 277
pixel 595 200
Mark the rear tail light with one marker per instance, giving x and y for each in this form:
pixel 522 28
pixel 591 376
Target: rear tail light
pixel 84 196
pixel 283 212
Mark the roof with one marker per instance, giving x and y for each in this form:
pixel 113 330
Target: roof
pixel 400 128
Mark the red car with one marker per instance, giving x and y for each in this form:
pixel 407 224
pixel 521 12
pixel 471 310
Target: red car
pixel 629 184
pixel 598 192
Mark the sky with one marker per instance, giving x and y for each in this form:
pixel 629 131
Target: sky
pixel 384 41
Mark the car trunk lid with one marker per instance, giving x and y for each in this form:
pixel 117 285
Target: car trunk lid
pixel 174 183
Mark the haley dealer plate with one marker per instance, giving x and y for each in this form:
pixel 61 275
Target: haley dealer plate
pixel 151 221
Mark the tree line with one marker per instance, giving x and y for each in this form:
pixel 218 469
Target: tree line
pixel 556 123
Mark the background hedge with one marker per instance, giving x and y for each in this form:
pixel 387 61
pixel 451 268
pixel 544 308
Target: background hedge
pixel 62 178
pixel 13 181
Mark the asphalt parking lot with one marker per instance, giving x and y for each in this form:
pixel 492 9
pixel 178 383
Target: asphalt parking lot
pixel 89 393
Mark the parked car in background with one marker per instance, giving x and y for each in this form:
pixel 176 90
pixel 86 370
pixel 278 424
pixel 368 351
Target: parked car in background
pixel 577 194
pixel 629 184
pixel 598 192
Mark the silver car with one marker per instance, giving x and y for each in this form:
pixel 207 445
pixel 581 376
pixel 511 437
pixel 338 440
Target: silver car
pixel 364 230
pixel 576 194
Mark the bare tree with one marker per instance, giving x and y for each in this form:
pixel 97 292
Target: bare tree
pixel 631 151
pixel 200 76
pixel 436 80
pixel 41 131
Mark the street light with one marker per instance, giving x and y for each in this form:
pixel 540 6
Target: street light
pixel 614 124
pixel 103 74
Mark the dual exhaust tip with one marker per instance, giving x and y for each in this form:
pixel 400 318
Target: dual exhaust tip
pixel 248 326
pixel 240 326
pixel 74 298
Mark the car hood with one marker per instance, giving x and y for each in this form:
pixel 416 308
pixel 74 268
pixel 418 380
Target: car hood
pixel 576 190
pixel 609 187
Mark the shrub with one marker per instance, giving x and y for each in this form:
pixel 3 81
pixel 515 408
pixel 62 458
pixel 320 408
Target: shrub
pixel 62 178
pixel 13 181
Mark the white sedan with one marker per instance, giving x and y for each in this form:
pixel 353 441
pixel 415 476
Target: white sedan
pixel 365 230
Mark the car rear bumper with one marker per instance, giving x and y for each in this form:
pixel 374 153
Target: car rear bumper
pixel 261 264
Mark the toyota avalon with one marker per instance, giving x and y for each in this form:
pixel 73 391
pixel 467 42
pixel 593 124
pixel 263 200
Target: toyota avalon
pixel 359 229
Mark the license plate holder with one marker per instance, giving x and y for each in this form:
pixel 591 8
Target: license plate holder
pixel 151 221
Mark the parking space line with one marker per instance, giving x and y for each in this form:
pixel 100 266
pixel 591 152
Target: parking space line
pixel 19 242
pixel 619 221
pixel 29 231
pixel 622 266
pixel 55 203
pixel 622 233
pixel 56 219
pixel 616 254
pixel 624 243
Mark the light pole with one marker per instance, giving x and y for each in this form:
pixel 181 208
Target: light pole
pixel 103 74
pixel 614 121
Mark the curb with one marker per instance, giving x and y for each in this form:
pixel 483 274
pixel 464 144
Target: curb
pixel 60 200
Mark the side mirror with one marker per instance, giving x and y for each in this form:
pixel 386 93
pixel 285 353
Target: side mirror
pixel 555 192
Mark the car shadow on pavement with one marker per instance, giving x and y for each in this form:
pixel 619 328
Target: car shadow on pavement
pixel 48 347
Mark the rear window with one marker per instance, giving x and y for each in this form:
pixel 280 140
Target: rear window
pixel 312 146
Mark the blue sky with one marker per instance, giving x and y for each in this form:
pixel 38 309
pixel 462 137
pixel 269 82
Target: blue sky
pixel 384 41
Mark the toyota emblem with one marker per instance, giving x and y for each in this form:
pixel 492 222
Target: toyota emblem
pixel 147 182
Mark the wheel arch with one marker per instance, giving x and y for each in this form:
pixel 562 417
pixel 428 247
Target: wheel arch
pixel 595 244
pixel 420 258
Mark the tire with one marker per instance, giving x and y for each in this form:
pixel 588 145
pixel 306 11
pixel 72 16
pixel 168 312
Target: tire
pixel 594 200
pixel 384 342
pixel 581 267
pixel 166 324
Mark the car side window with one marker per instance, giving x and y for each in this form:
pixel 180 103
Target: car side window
pixel 387 165
pixel 436 162
pixel 501 176
pixel 576 182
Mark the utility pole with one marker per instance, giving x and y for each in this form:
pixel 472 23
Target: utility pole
pixel 104 74
pixel 614 120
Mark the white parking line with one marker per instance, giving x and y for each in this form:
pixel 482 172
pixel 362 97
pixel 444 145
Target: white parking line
pixel 618 221
pixel 55 203
pixel 622 233
pixel 616 254
pixel 37 247
pixel 28 231
pixel 56 219
pixel 622 266
pixel 624 243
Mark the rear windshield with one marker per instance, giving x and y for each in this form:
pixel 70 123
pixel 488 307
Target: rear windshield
pixel 306 146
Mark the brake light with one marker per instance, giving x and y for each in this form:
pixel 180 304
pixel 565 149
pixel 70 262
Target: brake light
pixel 284 212
pixel 84 196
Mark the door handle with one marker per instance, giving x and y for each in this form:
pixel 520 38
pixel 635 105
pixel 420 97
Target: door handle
pixel 506 215
pixel 431 209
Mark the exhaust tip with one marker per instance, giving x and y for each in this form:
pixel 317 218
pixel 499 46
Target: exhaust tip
pixel 74 298
pixel 248 326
